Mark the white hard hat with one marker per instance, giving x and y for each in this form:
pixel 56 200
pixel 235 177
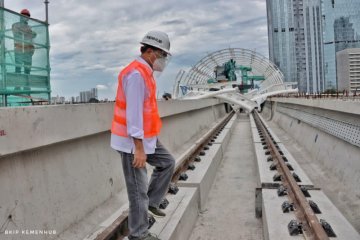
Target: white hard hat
pixel 157 39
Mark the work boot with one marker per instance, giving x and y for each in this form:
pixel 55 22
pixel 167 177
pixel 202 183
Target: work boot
pixel 150 237
pixel 156 212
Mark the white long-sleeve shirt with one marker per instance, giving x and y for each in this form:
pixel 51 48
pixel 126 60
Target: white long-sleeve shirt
pixel 135 93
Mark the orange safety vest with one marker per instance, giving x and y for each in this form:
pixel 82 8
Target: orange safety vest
pixel 151 119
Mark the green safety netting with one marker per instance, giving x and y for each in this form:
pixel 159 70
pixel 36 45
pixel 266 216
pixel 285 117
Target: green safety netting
pixel 24 60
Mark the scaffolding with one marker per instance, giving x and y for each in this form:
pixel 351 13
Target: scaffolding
pixel 24 60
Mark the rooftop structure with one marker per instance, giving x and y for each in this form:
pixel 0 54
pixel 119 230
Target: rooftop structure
pixel 203 70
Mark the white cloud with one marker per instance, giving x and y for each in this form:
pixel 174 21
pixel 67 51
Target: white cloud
pixel 92 41
pixel 101 87
pixel 95 67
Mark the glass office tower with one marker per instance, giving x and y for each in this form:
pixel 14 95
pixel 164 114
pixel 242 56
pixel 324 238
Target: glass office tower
pixel 281 31
pixel 341 24
pixel 295 41
pixel 313 32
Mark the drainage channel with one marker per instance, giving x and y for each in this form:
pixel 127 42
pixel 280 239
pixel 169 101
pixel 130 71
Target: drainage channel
pixel 119 230
pixel 307 222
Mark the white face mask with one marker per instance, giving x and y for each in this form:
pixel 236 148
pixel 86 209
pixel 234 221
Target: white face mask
pixel 160 63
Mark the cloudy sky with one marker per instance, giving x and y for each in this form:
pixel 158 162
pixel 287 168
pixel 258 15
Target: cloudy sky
pixel 92 40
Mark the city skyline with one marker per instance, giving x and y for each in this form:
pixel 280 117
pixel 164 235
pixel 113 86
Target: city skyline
pixel 82 97
pixel 89 46
pixel 300 29
pixel 308 34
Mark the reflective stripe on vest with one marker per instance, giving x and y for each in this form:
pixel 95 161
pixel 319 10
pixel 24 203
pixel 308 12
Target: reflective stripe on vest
pixel 151 119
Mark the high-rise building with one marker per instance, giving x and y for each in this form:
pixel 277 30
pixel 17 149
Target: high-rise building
pixel 348 69
pixel 82 97
pixel 94 93
pixel 295 41
pixel 57 100
pixel 281 31
pixel 85 96
pixel 53 100
pixel 315 79
pixel 341 23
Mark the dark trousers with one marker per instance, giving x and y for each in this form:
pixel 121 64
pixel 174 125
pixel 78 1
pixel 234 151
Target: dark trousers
pixel 23 59
pixel 143 194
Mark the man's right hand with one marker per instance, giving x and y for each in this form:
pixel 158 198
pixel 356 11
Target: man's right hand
pixel 139 159
pixel 139 155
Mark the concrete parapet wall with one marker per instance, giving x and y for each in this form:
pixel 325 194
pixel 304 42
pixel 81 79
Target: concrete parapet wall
pixel 340 158
pixel 56 164
pixel 338 105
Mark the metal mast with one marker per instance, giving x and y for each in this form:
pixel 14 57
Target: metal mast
pixel 46 11
pixel 2 56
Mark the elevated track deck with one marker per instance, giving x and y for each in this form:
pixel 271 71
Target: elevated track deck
pixel 231 193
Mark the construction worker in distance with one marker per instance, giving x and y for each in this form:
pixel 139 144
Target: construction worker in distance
pixel 23 43
pixel 135 129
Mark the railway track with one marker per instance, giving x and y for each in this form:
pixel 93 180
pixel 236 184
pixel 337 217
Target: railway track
pixel 307 222
pixel 291 206
pixel 119 230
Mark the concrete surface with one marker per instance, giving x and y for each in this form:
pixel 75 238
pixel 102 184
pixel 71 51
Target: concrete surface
pixel 266 175
pixel 189 147
pixel 38 126
pixel 276 222
pixel 344 198
pixel 172 223
pixel 203 176
pixel 231 122
pixel 262 119
pixel 230 207
pixel 276 139
pixel 255 133
pixel 56 186
pixel 181 215
pixel 252 121
pixel 91 227
pixel 224 136
pixel 339 158
pixel 336 105
pixel 182 129
pixel 329 212
pixel 62 170
pixel 57 167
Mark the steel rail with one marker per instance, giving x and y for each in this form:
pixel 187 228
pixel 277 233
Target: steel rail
pixel 184 163
pixel 118 229
pixel 311 225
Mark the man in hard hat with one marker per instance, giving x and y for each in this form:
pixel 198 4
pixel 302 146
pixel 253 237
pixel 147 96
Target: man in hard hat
pixel 23 43
pixel 135 129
